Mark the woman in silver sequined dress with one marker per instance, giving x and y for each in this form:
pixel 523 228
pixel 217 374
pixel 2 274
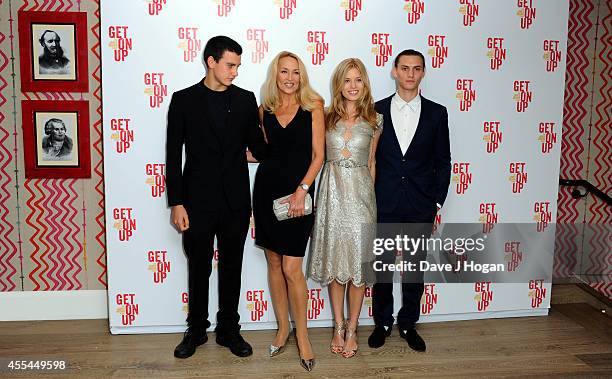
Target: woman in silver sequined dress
pixel 345 222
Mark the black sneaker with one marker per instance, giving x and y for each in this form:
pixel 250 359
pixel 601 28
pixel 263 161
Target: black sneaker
pixel 378 336
pixel 192 338
pixel 415 341
pixel 237 345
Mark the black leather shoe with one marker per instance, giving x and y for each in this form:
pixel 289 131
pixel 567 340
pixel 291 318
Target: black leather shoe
pixel 415 341
pixel 191 339
pixel 377 338
pixel 237 345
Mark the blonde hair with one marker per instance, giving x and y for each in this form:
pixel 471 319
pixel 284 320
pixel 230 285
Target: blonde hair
pixel 365 105
pixel 307 97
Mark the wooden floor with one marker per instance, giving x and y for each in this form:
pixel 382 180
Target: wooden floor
pixel 575 340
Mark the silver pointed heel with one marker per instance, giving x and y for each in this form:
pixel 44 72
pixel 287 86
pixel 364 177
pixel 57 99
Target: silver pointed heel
pixel 276 350
pixel 308 364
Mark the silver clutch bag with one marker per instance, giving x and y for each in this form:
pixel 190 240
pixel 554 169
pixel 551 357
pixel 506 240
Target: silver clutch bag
pixel 281 211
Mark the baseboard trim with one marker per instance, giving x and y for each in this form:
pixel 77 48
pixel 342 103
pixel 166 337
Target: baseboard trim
pixel 53 305
pixel 328 323
pixel 92 304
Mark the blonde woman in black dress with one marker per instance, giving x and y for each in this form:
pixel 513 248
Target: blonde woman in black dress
pixel 292 117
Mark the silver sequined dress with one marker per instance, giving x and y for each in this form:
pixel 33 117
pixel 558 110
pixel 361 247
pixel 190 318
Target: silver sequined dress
pixel 345 220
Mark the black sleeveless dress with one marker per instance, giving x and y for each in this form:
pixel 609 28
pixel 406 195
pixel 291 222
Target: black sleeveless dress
pixel 280 174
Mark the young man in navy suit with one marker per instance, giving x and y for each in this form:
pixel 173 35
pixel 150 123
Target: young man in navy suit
pixel 412 178
pixel 215 122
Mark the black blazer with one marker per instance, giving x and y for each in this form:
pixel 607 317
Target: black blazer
pixel 421 176
pixel 216 169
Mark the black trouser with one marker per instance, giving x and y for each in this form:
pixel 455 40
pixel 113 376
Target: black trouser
pixel 231 228
pixel 412 282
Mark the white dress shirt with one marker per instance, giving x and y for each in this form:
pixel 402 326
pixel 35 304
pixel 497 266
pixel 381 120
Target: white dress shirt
pixel 405 118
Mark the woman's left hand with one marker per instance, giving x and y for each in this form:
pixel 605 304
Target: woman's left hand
pixel 296 203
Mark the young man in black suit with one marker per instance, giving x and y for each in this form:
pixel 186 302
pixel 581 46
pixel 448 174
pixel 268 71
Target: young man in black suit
pixel 412 179
pixel 215 121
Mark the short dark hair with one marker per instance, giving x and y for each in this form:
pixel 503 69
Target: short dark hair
pixel 42 36
pixel 409 52
pixel 217 46
pixel 49 125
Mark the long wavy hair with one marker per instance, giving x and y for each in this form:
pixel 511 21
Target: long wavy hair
pixel 307 97
pixel 365 105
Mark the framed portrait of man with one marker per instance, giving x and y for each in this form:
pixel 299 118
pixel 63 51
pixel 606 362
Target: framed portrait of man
pixel 56 139
pixel 53 51
pixel 53 55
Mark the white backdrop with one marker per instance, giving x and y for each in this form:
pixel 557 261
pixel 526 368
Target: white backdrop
pixel 497 65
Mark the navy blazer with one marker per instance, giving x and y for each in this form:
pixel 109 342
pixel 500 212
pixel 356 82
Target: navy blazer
pixel 417 180
pixel 216 169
